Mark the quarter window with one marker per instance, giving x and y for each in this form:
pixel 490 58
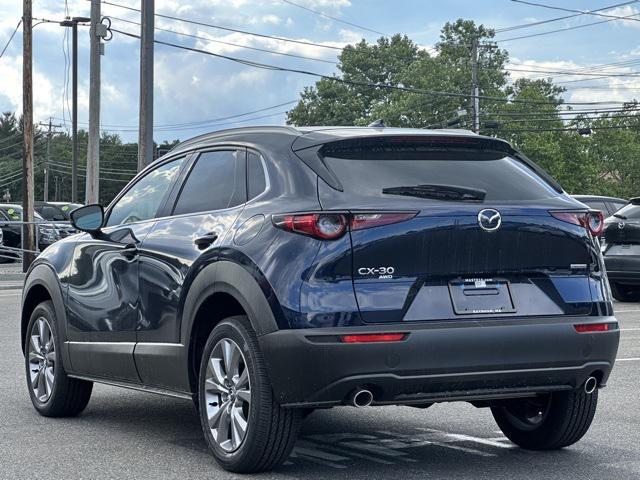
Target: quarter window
pixel 217 181
pixel 142 201
pixel 256 180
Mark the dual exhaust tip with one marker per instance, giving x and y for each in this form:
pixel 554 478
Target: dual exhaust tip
pixel 360 397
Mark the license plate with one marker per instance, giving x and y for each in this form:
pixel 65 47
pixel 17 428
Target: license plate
pixel 481 296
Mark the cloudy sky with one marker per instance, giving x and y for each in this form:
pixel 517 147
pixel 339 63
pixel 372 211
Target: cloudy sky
pixel 195 93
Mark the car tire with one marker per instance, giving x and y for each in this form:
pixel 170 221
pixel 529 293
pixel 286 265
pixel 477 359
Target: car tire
pixel 52 392
pixel 625 293
pixel 564 419
pixel 232 362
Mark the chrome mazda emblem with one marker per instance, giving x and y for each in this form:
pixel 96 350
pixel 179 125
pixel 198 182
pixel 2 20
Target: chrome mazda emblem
pixel 620 225
pixel 489 219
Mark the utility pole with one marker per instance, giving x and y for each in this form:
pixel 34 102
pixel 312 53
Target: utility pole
pixel 28 229
pixel 145 136
pixel 475 100
pixel 96 33
pixel 45 195
pixel 73 23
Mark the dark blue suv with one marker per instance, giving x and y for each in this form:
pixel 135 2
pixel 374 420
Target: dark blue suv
pixel 265 272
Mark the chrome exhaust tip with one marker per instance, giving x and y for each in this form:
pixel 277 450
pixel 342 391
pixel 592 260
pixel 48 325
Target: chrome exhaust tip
pixel 361 397
pixel 590 385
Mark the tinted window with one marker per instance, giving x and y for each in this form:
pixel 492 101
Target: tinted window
pixel 52 213
pixel 502 178
pixel 256 180
pixel 141 202
pixel 216 181
pixel 632 212
pixel 615 206
pixel 597 206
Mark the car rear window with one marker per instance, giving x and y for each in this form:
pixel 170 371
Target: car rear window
pixel 630 211
pixel 500 176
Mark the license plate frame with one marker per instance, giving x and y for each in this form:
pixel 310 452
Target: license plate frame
pixel 481 296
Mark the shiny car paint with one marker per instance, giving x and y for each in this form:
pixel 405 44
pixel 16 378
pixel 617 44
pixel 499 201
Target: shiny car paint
pixel 129 297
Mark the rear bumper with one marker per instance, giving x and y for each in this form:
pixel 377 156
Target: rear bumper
pixel 623 268
pixel 439 361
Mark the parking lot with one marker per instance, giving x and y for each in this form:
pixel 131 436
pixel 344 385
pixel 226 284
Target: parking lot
pixel 127 434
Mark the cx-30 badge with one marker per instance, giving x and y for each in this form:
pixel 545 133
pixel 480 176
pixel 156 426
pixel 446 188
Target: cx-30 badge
pixel 489 219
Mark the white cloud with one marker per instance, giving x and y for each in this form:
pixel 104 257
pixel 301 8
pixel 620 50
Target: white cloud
pixel 625 11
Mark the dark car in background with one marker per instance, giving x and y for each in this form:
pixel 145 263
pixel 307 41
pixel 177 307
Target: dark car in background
pixel 607 205
pixel 621 250
pixel 58 212
pixel 9 213
pixel 263 272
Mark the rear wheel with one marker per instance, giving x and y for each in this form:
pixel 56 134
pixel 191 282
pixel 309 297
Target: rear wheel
pixel 52 392
pixel 245 428
pixel 625 293
pixel 547 422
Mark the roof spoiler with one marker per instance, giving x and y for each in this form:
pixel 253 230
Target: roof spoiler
pixel 634 201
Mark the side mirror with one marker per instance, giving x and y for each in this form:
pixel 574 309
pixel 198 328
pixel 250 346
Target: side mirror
pixel 88 218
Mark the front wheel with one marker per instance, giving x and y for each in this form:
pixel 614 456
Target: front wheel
pixel 547 422
pixel 245 428
pixel 52 392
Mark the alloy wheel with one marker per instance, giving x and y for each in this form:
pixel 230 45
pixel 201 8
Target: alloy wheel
pixel 42 359
pixel 227 393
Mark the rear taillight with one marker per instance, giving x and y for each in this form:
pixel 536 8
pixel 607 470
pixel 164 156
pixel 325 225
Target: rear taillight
pixel 332 225
pixel 325 226
pixel 360 221
pixel 593 220
pixel 594 327
pixel 372 337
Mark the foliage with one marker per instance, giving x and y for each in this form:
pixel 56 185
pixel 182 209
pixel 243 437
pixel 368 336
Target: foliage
pixel 605 162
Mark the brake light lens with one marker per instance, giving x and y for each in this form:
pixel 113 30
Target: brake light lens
pixel 593 220
pixel 325 226
pixel 593 327
pixel 360 221
pixel 333 225
pixel 372 337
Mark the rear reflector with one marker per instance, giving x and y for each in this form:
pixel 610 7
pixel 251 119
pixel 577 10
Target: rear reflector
pixel 373 337
pixel 593 327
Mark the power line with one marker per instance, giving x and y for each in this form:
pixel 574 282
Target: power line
pixel 570 129
pixel 557 19
pixel 11 38
pixel 335 19
pixel 266 66
pixel 586 12
pixel 220 27
pixel 577 73
pixel 272 52
pixel 575 27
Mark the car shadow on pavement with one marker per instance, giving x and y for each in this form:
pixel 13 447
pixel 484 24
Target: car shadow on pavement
pixel 363 443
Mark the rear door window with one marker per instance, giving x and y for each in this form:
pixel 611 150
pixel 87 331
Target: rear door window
pixel 217 181
pixel 439 174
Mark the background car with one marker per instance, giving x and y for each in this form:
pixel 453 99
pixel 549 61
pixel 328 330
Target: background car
pixel 621 250
pixel 9 212
pixel 607 205
pixel 58 212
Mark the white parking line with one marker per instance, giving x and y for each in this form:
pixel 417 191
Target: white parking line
pixel 630 329
pixel 634 359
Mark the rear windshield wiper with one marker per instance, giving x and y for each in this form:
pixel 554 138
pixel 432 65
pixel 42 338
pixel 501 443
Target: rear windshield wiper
pixel 617 215
pixel 438 192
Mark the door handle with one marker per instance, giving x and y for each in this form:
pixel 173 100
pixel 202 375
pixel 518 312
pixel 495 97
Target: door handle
pixel 205 241
pixel 129 251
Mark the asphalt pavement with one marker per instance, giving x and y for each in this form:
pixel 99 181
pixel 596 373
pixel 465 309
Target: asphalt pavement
pixel 133 435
